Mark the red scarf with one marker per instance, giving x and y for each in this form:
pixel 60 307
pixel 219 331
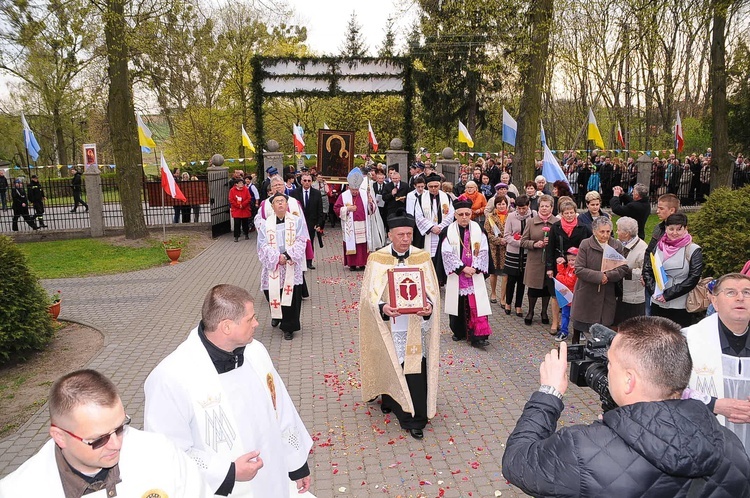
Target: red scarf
pixel 568 227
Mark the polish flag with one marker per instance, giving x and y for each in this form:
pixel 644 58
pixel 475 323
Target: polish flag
pixel 620 136
pixel 168 183
pixel 679 139
pixel 371 137
pixel 299 144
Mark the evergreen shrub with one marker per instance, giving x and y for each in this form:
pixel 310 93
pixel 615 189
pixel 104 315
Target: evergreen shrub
pixel 722 229
pixel 25 324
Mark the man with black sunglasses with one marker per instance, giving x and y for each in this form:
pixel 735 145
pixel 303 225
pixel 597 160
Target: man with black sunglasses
pixel 94 452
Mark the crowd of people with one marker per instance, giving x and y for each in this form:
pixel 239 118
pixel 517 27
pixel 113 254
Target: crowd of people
pixel 417 239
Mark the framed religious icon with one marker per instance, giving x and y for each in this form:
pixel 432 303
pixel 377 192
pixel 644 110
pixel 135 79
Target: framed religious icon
pixel 89 157
pixel 406 289
pixel 335 153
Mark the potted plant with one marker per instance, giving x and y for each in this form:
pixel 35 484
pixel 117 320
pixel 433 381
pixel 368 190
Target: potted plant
pixel 173 248
pixel 55 301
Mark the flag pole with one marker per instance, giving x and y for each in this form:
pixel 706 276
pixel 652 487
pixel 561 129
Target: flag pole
pixel 28 164
pixel 163 205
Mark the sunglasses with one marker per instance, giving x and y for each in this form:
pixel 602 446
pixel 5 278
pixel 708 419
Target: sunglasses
pixel 101 440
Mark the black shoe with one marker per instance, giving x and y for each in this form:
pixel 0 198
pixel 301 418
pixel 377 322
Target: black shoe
pixel 528 318
pixel 87 209
pixel 456 338
pixel 385 409
pixel 545 320
pixel 275 323
pixel 416 433
pixel 236 239
pixel 288 336
pixel 35 228
pixel 310 267
pixel 42 226
pixel 72 210
pixel 247 236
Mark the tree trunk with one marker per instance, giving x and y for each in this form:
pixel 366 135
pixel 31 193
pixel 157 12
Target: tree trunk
pixel 122 123
pixel 532 75
pixel 721 165
pixel 57 125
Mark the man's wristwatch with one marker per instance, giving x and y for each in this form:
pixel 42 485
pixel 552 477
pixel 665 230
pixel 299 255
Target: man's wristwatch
pixel 550 390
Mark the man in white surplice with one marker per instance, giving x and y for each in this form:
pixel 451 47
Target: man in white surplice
pixel 220 399
pixel 437 213
pixel 721 355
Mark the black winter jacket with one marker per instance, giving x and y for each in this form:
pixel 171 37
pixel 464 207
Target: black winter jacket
pixel 638 210
pixel 642 450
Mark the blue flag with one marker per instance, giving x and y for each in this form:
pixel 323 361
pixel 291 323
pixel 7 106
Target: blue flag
pixel 551 170
pixel 510 127
pixel 32 146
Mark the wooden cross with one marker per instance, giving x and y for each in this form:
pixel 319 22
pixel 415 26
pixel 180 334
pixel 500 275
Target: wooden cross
pixel 288 289
pixel 275 304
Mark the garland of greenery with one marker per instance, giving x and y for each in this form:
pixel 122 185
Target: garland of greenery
pixel 261 64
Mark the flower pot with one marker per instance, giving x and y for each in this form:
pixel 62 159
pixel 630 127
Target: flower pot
pixel 54 309
pixel 173 255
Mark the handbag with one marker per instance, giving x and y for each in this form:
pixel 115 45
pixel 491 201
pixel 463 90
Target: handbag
pixel 698 298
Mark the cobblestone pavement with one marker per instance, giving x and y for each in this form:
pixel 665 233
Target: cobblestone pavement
pixel 358 452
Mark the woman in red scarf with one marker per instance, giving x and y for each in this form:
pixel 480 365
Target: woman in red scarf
pixel 494 227
pixel 563 235
pixel 682 262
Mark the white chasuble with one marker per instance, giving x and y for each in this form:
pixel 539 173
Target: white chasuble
pixel 217 418
pixel 455 244
pixel 427 217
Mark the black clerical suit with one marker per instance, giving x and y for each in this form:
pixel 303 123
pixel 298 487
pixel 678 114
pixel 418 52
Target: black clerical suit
pixel 391 204
pixel 312 205
pixel 379 189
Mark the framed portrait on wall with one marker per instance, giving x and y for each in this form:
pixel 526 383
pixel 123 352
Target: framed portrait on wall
pixel 335 153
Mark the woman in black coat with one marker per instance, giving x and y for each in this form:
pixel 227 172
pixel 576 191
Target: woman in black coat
pixel 563 235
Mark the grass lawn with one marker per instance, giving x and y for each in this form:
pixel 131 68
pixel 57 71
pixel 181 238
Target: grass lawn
pixel 84 257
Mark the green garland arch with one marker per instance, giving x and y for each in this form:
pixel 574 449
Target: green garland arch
pixel 260 74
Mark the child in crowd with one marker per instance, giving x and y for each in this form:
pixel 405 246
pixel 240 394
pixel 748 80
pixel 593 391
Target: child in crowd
pixel 566 274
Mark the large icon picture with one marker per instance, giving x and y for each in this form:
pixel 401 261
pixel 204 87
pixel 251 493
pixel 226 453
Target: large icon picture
pixel 335 152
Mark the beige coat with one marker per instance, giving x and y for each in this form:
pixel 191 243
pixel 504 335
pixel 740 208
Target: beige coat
pixel 592 301
pixel 535 258
pixel 497 244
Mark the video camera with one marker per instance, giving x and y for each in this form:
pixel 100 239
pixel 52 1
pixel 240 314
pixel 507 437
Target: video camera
pixel 588 364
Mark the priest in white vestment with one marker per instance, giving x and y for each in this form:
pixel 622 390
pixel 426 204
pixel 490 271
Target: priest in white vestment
pixel 220 399
pixel 720 351
pixel 282 239
pixel 435 215
pixel 94 452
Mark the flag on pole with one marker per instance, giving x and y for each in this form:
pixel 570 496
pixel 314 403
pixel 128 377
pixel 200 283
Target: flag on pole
pixel 620 136
pixel 144 135
pixel 325 126
pixel 510 128
pixel 551 170
pixel 371 137
pixel 544 138
pixel 168 183
pixel 564 295
pixel 594 134
pixel 463 135
pixel 299 143
pixel 660 274
pixel 679 139
pixel 32 146
pixel 246 142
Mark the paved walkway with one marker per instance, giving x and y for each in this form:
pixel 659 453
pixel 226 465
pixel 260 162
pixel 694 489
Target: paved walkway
pixel 358 451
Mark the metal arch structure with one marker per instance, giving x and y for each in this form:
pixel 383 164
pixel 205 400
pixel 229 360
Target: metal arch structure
pixel 331 77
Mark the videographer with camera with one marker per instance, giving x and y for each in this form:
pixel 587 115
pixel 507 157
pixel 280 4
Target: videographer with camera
pixel 654 444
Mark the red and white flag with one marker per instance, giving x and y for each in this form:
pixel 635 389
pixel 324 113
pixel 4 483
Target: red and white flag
pixel 679 139
pixel 168 183
pixel 620 136
pixel 299 144
pixel 371 137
